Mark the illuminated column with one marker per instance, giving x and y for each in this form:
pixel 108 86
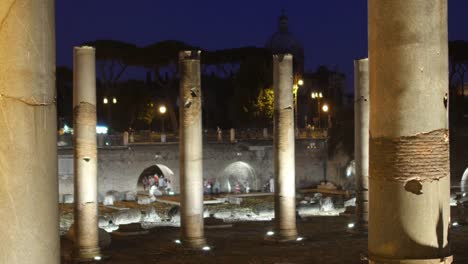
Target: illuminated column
pixel 191 151
pixel 361 142
pixel 125 138
pixel 409 179
pixel 28 134
pixel 85 160
pixel 285 189
pixel 232 135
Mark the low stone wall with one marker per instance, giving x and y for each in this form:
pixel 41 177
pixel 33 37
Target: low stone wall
pixel 120 167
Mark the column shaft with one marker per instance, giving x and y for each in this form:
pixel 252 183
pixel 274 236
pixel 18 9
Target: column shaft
pixel 361 141
pixel 409 148
pixel 85 159
pixel 285 192
pixel 28 134
pixel 191 150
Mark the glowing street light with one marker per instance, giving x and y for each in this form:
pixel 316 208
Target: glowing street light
pixel 316 95
pixel 162 109
pixel 300 82
pixel 114 100
pixel 105 100
pixel 325 108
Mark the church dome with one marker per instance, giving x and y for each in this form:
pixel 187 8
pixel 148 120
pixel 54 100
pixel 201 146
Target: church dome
pixel 283 41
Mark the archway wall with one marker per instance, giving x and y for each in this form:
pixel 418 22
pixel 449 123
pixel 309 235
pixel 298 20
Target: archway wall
pixel 119 168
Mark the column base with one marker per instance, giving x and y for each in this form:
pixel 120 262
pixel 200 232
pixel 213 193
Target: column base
pixel 86 255
pixel 194 243
pixel 377 260
pixel 289 235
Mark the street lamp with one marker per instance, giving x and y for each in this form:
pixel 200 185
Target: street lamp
pixel 318 96
pixel 325 108
pixel 299 82
pixel 105 100
pixel 162 110
pixel 114 100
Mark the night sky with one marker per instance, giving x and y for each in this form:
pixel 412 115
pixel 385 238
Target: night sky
pixel 333 32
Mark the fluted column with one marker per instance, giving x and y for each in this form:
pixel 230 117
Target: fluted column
pixel 28 134
pixel 284 160
pixel 409 192
pixel 86 243
pixel 191 151
pixel 361 142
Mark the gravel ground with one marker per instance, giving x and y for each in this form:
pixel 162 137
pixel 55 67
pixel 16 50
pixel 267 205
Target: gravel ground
pixel 326 241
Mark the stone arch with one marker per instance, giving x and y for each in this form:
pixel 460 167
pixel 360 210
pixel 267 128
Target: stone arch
pixel 464 181
pixel 159 169
pixel 238 172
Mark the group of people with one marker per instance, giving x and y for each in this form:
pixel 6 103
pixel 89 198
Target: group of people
pixel 211 188
pixel 156 182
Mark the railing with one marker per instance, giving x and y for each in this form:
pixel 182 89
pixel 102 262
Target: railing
pixel 209 135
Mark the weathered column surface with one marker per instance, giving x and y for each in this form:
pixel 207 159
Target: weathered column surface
pixel 285 192
pixel 361 142
pixel 409 147
pixel 232 135
pixel 28 134
pixel 191 151
pixel 86 244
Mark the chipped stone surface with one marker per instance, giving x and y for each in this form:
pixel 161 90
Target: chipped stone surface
pixel 28 190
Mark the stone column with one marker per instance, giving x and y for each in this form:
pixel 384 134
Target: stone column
pixel 85 160
pixel 361 142
pixel 191 151
pixel 232 135
pixel 409 179
pixel 285 186
pixel 125 138
pixel 28 134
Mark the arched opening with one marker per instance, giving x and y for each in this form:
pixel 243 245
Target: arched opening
pixel 156 177
pixel 463 182
pixel 238 177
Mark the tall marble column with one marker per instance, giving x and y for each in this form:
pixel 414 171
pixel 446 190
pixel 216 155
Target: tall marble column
pixel 361 142
pixel 86 244
pixel 191 151
pixel 409 190
pixel 284 159
pixel 28 134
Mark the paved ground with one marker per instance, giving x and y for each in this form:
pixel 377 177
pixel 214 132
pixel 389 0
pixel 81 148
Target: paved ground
pixel 327 241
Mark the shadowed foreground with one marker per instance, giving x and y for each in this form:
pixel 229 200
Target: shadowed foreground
pixel 327 241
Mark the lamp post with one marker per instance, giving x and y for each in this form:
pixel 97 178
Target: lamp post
pixel 318 96
pixel 325 109
pixel 106 101
pixel 162 110
pixel 299 82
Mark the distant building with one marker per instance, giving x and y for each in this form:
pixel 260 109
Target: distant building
pixel 331 85
pixel 283 41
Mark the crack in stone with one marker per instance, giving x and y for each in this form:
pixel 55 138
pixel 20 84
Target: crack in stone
pixel 28 102
pixel 7 14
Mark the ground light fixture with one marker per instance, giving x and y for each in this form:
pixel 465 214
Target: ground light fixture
pixel 270 233
pixel 206 248
pixel 351 225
